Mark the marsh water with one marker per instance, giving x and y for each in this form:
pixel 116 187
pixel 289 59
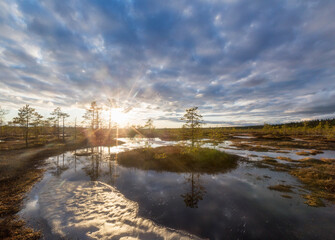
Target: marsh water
pixel 86 194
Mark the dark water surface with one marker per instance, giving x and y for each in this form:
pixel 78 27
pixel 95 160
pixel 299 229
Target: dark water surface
pixel 233 205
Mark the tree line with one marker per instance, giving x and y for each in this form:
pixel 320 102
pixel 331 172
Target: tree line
pixel 29 121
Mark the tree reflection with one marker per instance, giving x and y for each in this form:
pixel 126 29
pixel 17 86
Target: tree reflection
pixel 196 191
pixel 60 168
pixel 113 169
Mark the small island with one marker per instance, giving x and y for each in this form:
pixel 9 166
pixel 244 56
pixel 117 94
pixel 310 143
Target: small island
pixel 179 159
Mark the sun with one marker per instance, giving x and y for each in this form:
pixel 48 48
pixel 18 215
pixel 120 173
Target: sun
pixel 118 116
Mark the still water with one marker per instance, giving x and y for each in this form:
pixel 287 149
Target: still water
pixel 90 196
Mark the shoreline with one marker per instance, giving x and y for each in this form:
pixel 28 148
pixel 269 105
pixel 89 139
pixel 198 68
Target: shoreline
pixel 20 169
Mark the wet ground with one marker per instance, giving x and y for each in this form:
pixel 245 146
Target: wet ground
pixel 86 194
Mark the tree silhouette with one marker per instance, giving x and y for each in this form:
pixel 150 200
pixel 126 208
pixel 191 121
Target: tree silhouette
pixel 150 126
pixel 92 115
pixel 63 116
pixel 57 113
pixel 193 122
pixel 25 116
pixel 37 121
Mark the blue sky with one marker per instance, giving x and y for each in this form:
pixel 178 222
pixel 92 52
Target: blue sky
pixel 242 62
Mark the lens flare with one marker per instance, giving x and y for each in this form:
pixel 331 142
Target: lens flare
pixel 118 116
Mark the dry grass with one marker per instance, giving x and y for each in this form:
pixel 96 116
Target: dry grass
pixel 303 153
pixel 287 159
pixel 319 178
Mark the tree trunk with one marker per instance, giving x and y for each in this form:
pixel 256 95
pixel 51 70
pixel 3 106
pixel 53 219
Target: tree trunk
pixel 192 136
pixel 58 129
pixel 75 129
pixel 63 131
pixel 27 127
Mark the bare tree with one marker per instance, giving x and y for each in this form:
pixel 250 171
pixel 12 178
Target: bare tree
pixel 63 116
pixel 25 116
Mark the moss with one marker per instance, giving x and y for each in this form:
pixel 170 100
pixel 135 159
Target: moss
pixel 179 159
pixel 281 188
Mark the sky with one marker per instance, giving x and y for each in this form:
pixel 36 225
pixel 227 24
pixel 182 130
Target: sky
pixel 241 62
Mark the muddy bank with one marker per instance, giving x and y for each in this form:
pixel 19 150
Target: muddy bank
pixel 19 171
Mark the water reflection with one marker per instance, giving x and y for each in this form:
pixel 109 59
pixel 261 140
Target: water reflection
pixel 59 168
pixel 195 192
pixel 88 192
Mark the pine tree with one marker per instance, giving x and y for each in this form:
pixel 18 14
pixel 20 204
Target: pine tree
pixel 25 116
pixel 193 122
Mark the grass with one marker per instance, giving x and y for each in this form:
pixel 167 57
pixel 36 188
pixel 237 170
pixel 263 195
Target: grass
pixel 281 188
pixel 287 159
pixel 315 152
pixel 303 153
pixel 313 200
pixel 320 179
pixel 179 159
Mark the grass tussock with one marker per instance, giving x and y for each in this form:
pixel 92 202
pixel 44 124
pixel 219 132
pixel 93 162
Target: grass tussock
pixel 315 152
pixel 287 159
pixel 179 159
pixel 303 153
pixel 320 178
pixel 313 200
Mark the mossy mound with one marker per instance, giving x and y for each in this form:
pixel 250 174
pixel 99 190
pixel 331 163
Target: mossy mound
pixel 179 159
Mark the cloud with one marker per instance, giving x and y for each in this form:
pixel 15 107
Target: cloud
pixel 224 56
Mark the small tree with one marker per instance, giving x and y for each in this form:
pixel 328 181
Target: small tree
pixel 36 123
pixel 63 116
pixel 92 115
pixel 24 118
pixel 150 126
pixel 57 113
pixel 193 122
pixel 3 113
